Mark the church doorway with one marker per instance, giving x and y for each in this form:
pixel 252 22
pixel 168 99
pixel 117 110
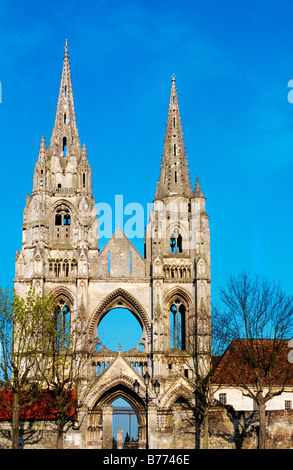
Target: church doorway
pixel 124 425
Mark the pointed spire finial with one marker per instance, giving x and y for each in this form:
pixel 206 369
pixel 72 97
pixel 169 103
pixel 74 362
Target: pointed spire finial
pixel 197 190
pixel 66 54
pixel 42 146
pixel 65 130
pixel 174 178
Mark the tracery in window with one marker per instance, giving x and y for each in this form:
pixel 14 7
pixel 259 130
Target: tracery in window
pixel 176 242
pixel 62 216
pixel 63 221
pixel 177 325
pixel 62 324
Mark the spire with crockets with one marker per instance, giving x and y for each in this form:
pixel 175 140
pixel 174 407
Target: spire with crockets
pixel 65 136
pixel 174 178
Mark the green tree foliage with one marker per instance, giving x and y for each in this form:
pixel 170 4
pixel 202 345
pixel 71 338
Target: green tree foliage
pixel 24 323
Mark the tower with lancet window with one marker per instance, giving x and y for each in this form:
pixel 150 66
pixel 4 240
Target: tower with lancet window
pixel 60 224
pixel 178 257
pixel 167 290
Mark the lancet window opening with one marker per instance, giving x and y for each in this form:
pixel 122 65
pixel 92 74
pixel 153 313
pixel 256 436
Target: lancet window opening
pixel 62 216
pixel 176 242
pixel 62 324
pixel 177 324
pixel 62 221
pixel 65 146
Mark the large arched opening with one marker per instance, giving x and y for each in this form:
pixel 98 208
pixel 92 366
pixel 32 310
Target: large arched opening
pixel 119 330
pixel 120 323
pixel 119 416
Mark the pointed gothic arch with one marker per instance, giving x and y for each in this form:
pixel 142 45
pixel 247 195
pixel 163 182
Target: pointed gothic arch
pixel 120 386
pixel 178 390
pixel 64 292
pixel 179 291
pixel 119 298
pixel 178 305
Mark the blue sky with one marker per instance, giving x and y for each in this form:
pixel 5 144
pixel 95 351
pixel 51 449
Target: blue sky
pixel 232 61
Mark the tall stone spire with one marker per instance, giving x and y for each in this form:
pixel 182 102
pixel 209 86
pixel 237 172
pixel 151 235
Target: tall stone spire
pixel 65 138
pixel 174 177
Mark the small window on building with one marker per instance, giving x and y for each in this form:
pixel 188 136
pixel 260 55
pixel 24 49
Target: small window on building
pixel 66 220
pixel 64 146
pixel 58 219
pixel 83 180
pixel 179 244
pixel 176 243
pixel 172 244
pixel 223 398
pixel 288 404
pixel 65 118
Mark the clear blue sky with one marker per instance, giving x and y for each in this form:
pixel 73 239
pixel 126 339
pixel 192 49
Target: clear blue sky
pixel 232 62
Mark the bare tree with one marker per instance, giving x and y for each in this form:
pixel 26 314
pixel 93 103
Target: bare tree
pixel 22 337
pixel 255 323
pixel 200 376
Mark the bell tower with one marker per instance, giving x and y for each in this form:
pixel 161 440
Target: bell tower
pixel 177 249
pixel 167 290
pixel 60 224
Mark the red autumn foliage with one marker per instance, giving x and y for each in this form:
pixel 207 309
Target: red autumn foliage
pixel 42 409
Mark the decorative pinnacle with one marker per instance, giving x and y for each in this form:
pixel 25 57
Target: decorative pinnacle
pixel 174 177
pixel 197 190
pixel 65 123
pixel 66 48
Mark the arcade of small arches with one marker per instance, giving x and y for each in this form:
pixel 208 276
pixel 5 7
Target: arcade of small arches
pixel 177 270
pixel 62 267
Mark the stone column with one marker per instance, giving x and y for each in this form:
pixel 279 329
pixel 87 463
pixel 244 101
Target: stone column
pixel 177 426
pixel 107 426
pixel 119 438
pixel 152 421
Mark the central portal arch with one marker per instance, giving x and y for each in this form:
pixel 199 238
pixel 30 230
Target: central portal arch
pixel 124 425
pixel 121 299
pixel 106 415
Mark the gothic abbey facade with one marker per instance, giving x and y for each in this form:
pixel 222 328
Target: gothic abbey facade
pixel 168 290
